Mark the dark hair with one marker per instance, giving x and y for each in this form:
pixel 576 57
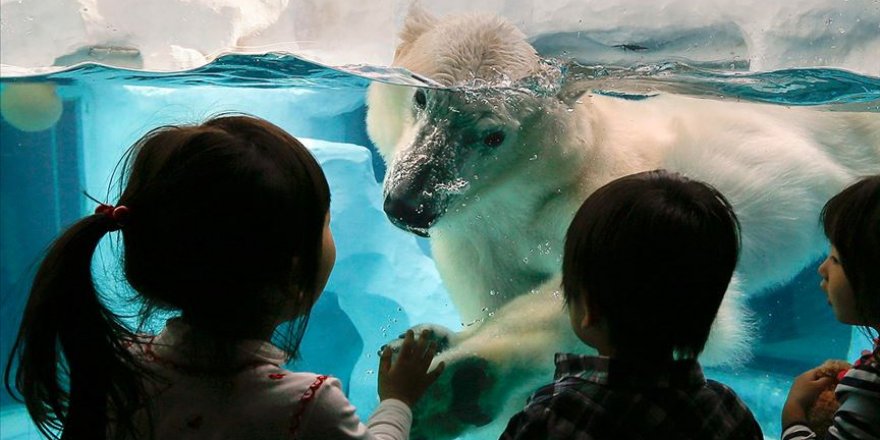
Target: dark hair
pixel 653 254
pixel 852 223
pixel 226 221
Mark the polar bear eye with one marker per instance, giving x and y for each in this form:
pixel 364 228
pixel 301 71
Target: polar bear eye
pixel 420 99
pixel 494 139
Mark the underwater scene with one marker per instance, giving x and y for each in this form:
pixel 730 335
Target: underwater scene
pixel 452 189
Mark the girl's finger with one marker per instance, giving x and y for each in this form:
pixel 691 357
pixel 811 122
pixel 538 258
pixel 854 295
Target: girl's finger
pixel 424 338
pixel 385 360
pixel 433 375
pixel 824 381
pixel 431 351
pixel 408 341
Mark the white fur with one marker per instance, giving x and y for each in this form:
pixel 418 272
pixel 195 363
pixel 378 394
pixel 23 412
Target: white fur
pixel 504 233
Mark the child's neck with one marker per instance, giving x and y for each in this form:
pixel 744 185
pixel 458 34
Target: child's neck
pixel 605 350
pixel 599 340
pixel 259 331
pixel 608 350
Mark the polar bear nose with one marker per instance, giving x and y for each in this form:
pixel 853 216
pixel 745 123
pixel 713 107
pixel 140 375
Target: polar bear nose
pixel 409 214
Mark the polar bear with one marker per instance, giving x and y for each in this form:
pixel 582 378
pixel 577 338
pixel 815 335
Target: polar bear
pixel 493 171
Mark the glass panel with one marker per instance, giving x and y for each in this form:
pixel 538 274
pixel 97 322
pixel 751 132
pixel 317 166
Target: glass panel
pixel 64 130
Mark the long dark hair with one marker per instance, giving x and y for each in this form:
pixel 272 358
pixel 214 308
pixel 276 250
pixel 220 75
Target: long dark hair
pixel 851 220
pixel 225 223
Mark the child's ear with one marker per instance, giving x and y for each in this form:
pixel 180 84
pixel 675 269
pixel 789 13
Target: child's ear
pixel 591 315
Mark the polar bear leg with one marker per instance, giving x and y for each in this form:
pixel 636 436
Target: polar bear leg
pixel 492 369
pixel 732 332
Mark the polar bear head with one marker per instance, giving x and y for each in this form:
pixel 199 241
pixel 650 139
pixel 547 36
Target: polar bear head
pixel 450 142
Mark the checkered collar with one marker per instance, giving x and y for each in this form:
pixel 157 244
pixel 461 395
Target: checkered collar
pixel 616 372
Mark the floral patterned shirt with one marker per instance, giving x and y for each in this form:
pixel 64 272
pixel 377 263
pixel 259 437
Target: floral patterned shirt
pixel 255 398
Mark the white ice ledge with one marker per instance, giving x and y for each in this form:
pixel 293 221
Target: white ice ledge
pixel 167 35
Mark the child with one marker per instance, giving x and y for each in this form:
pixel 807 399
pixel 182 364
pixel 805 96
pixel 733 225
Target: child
pixel 647 260
pixel 228 223
pixel 851 280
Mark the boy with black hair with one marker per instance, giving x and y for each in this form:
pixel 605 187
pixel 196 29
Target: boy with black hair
pixel 647 260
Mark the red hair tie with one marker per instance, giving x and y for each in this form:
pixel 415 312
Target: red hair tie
pixel 119 214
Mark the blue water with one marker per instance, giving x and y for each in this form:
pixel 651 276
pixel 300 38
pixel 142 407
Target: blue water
pixel 385 280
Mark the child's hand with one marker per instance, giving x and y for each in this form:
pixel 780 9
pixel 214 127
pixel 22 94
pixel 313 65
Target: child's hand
pixel 407 378
pixel 803 394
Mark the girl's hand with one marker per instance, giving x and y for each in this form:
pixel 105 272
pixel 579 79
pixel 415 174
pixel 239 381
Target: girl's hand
pixel 407 378
pixel 803 394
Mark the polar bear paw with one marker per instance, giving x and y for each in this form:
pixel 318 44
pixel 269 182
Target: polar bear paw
pixel 442 336
pixel 457 402
pixel 461 399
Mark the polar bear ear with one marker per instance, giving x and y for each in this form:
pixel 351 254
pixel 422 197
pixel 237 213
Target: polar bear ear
pixel 417 22
pixel 571 94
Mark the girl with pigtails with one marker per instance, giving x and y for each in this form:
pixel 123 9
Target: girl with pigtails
pixel 225 223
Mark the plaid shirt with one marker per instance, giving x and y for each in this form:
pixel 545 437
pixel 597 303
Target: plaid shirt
pixel 599 398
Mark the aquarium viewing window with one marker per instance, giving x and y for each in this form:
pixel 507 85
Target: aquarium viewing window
pixel 81 80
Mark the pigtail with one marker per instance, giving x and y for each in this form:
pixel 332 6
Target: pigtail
pixel 73 364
